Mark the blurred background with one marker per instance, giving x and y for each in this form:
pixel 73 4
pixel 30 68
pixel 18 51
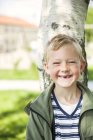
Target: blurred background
pixel 19 80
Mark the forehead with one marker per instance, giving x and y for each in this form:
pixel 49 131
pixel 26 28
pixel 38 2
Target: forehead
pixel 66 51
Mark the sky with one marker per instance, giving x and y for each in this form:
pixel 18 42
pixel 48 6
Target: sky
pixel 28 10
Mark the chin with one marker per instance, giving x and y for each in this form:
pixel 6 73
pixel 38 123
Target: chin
pixel 66 84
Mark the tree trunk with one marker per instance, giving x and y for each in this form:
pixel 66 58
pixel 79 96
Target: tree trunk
pixel 65 17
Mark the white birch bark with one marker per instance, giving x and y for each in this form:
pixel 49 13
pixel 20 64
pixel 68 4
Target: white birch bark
pixel 61 16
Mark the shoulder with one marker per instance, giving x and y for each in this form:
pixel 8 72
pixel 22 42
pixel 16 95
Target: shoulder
pixel 86 92
pixel 84 88
pixel 34 102
pixel 41 101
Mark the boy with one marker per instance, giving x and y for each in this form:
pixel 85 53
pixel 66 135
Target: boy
pixel 65 109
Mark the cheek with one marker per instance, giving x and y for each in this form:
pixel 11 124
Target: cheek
pixel 76 70
pixel 53 73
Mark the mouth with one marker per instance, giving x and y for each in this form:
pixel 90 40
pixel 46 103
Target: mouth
pixel 65 76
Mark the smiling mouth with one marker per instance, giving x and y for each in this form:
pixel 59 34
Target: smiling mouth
pixel 66 76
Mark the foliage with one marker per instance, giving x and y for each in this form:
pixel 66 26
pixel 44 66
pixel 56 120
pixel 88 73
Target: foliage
pixel 90 73
pixel 89 35
pixel 30 74
pixel 89 19
pixel 13 119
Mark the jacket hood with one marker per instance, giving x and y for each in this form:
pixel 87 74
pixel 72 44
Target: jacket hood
pixel 87 98
pixel 42 105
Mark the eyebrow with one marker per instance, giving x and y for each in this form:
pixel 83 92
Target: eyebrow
pixel 66 59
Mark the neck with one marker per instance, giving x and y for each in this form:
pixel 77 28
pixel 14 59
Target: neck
pixel 67 95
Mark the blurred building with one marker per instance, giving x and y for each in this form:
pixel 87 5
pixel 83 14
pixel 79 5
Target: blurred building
pixel 15 40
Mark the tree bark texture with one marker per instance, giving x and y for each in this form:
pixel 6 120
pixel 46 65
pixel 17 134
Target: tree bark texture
pixel 61 17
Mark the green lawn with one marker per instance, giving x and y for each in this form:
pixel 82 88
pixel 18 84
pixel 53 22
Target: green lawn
pixel 16 74
pixel 12 116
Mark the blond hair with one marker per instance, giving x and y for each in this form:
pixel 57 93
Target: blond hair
pixel 60 40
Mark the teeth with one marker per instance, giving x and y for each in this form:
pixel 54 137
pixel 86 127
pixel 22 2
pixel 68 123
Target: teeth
pixel 64 76
pixel 67 76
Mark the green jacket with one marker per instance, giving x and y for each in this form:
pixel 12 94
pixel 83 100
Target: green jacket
pixel 39 126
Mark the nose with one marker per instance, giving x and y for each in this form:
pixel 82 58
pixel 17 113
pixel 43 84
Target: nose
pixel 64 67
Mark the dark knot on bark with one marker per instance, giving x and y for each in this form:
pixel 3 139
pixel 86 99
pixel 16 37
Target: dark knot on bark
pixel 66 26
pixel 54 25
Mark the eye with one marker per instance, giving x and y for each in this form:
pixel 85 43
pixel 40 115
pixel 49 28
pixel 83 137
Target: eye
pixel 72 62
pixel 56 63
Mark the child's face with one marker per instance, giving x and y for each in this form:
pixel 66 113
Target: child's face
pixel 64 66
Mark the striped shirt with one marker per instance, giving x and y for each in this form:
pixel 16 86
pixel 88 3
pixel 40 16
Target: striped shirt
pixel 66 124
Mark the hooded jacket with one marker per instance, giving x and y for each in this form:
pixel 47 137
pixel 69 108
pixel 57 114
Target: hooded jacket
pixel 40 123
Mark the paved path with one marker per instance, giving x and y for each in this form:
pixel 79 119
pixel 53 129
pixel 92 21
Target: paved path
pixel 19 85
pixel 26 85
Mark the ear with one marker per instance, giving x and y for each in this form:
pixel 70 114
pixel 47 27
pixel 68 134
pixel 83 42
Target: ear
pixel 82 66
pixel 46 68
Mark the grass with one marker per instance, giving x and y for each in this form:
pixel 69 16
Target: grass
pixel 90 73
pixel 13 119
pixel 30 74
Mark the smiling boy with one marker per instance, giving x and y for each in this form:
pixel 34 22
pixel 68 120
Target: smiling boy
pixel 65 109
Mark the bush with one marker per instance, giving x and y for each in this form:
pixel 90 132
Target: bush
pixel 13 119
